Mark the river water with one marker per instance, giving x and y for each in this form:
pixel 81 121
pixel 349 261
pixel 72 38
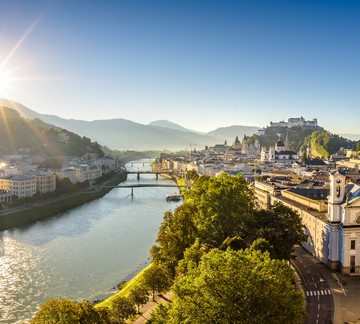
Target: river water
pixel 83 253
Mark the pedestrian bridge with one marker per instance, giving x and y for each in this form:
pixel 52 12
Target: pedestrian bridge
pixel 156 173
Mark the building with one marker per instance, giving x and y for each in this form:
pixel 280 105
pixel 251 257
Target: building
pixel 278 154
pixel 65 173
pixel 219 148
pixel 250 149
pixel 5 197
pixel 88 172
pixel 19 185
pixel 45 181
pixel 294 122
pixel 331 218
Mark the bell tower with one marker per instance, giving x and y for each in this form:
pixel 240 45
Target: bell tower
pixel 336 197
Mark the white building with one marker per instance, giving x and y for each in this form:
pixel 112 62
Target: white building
pixel 278 154
pixel 19 185
pixel 294 122
pixel 88 172
pixel 66 173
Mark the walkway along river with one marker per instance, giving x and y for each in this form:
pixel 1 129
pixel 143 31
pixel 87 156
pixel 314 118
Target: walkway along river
pixel 82 253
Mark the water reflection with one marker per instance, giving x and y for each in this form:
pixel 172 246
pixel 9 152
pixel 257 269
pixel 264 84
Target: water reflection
pixel 82 253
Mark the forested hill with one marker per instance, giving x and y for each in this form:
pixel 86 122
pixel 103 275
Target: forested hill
pixel 18 133
pixel 322 141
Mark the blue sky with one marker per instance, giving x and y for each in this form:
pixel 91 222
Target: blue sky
pixel 202 64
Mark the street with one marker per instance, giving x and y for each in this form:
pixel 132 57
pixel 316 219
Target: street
pixel 319 296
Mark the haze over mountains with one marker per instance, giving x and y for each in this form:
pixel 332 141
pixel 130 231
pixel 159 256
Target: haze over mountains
pixel 123 134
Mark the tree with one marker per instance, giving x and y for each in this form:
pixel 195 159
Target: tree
pixel 121 309
pixel 236 287
pixel 65 311
pixel 281 227
pixel 222 206
pixel 177 232
pixel 156 279
pixel 192 257
pixel 262 245
pixel 192 175
pixel 139 296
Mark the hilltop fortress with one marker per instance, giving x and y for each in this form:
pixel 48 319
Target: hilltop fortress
pixel 292 122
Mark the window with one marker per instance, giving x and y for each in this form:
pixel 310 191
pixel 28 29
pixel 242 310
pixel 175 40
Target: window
pixel 353 244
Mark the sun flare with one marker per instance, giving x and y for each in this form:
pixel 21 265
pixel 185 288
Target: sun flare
pixel 4 82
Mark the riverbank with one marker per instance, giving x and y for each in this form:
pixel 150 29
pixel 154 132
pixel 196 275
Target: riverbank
pixel 33 214
pixel 124 291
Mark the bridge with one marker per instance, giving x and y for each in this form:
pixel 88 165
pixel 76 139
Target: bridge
pixel 148 172
pixel 147 185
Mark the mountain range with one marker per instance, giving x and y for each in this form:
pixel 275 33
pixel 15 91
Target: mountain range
pixel 123 134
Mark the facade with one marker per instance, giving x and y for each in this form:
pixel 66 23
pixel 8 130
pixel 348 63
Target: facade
pixel 5 196
pixel 107 164
pixel 66 173
pixel 250 149
pixel 19 185
pixel 88 172
pixel 45 181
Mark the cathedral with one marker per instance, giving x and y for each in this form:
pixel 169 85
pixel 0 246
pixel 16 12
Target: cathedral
pixel 279 154
pixel 244 147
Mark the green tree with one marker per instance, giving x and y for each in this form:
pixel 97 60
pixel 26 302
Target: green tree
pixel 192 175
pixel 160 315
pixel 244 286
pixel 121 309
pixel 156 278
pixel 65 311
pixel 192 257
pixel 281 227
pixel 139 295
pixel 176 233
pixel 222 205
pixel 263 246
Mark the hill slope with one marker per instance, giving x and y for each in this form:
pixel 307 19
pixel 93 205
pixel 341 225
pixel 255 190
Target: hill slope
pixel 19 133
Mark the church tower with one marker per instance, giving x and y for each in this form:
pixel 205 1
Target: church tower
pixel 287 145
pixel 336 197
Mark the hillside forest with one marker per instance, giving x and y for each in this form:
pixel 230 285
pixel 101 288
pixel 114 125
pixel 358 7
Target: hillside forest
pixel 18 134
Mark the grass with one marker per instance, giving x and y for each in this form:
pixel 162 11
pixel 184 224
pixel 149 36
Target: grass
pixel 125 291
pixel 181 182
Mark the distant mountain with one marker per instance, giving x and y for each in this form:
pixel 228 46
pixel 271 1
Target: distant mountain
pixel 168 124
pixel 229 133
pixel 123 134
pixel 353 137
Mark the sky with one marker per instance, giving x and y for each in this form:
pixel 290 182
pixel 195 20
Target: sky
pixel 202 64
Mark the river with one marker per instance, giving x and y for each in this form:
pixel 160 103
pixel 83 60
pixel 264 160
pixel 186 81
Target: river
pixel 83 253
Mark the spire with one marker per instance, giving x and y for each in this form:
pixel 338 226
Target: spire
pixel 287 146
